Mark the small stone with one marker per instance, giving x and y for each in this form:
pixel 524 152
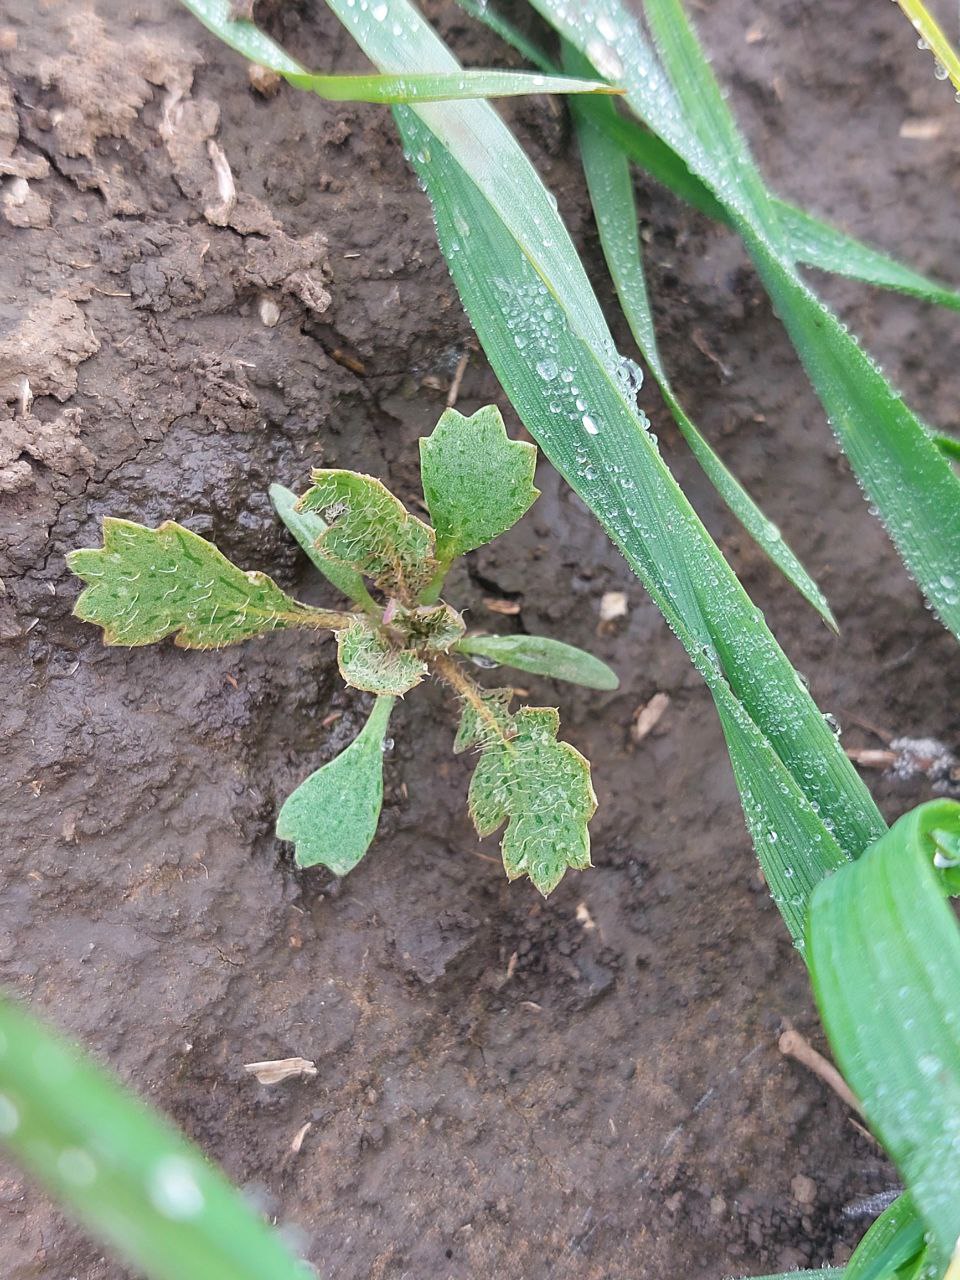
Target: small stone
pixel 263 80
pixel 269 312
pixel 804 1189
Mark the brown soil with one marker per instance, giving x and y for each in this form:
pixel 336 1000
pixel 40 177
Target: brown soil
pixel 506 1087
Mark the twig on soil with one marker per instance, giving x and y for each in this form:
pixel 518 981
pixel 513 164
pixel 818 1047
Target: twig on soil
pixel 458 377
pixel 793 1045
pixel 219 214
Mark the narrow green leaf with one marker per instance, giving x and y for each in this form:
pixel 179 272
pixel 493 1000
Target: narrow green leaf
pixel 903 474
pixel 332 817
pixel 476 480
pixel 410 86
pixel 543 657
pixel 145 584
pixel 122 1169
pixel 893 1240
pixel 529 300
pixel 371 532
pixel 611 194
pixel 949 446
pixel 369 661
pixel 813 242
pixel 307 528
pixel 541 788
pixel 418 87
pixel 827 1273
pixel 884 955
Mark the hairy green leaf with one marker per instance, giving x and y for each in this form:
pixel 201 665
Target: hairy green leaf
pixel 371 532
pixel 433 628
pixel 484 719
pixel 332 817
pixel 476 480
pixel 543 657
pixel 611 193
pixel 307 528
pixel 884 955
pixel 122 1169
pixel 369 661
pixel 541 788
pixel 144 584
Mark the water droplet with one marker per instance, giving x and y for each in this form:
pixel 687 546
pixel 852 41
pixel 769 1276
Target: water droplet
pixel 77 1167
pixel 379 12
pixel 589 426
pixel 9 1116
pixel 173 1189
pixel 547 370
pixel 605 59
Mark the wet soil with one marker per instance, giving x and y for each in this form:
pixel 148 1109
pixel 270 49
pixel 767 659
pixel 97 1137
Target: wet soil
pixel 588 1087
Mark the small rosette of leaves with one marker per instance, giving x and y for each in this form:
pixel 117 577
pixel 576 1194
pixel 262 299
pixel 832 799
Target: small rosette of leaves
pixel 144 584
pixel 536 784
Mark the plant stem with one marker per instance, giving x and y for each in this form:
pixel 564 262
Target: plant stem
pixel 431 592
pixel 932 35
pixel 453 675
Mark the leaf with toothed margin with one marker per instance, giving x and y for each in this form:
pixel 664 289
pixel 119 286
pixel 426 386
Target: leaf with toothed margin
pixel 476 480
pixel 332 817
pixel 308 529
pixel 144 584
pixel 541 788
pixel 370 662
pixel 371 532
pixel 486 721
pixel 436 627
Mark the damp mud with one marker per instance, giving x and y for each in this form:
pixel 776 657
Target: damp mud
pixel 205 288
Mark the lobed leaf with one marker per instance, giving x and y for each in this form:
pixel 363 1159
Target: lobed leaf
pixel 484 720
pixel 431 628
pixel 307 528
pixel 371 532
pixel 477 482
pixel 884 956
pixel 333 815
pixel 369 661
pixel 122 1169
pixel 543 657
pixel 144 584
pixel 541 788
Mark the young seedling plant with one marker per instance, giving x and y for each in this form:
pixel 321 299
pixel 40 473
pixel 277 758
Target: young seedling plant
pixel 144 584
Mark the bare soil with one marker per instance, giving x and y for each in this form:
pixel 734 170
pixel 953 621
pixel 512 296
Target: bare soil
pixel 588 1087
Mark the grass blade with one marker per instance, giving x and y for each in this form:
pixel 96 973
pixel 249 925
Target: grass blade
pixel 541 326
pixel 409 86
pixel 884 954
pixel 893 1240
pixel 611 194
pixel 417 87
pixel 126 1173
pixel 900 468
